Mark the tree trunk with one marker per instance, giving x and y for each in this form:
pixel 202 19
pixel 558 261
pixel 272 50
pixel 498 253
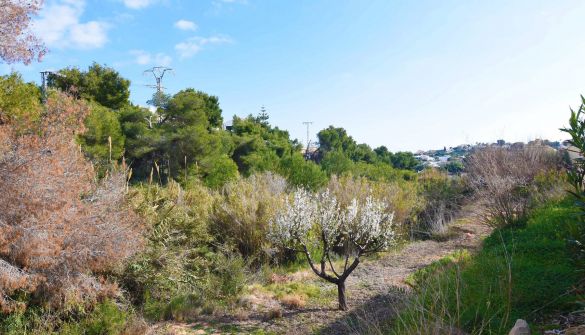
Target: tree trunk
pixel 341 295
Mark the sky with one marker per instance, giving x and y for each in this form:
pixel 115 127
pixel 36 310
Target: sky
pixel 409 75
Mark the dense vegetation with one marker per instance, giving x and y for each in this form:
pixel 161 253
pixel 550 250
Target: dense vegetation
pixel 188 207
pixel 185 204
pixel 113 215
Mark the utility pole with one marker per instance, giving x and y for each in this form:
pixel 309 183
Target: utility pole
pixel 44 83
pixel 158 73
pixel 308 124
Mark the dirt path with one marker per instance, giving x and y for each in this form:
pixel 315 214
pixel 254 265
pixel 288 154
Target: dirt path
pixel 374 292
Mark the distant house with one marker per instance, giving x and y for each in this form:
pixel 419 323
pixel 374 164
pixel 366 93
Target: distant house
pixel 228 125
pixel 444 159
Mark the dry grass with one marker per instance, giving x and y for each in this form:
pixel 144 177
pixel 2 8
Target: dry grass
pixel 274 313
pixel 293 301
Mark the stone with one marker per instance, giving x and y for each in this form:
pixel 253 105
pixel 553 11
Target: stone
pixel 520 328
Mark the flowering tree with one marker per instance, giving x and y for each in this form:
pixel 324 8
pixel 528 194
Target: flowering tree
pixel 318 221
pixel 17 43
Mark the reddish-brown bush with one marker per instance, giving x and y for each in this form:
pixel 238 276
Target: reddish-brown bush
pixel 60 230
pixel 17 43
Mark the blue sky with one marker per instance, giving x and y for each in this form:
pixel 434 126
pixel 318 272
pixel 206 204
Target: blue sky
pixel 406 74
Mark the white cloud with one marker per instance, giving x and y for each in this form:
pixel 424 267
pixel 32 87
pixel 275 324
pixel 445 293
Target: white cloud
pixel 138 4
pixel 59 26
pixel 146 58
pixel 195 44
pixel 89 35
pixel 186 25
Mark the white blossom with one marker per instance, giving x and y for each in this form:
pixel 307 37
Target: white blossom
pixel 361 228
pixel 366 225
pixel 328 217
pixel 373 225
pixel 292 224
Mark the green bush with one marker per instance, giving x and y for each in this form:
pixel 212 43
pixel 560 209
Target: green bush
pixel 177 258
pixel 523 271
pixel 102 141
pixel 183 272
pixel 19 101
pixel 218 171
pixel 106 318
pixel 302 173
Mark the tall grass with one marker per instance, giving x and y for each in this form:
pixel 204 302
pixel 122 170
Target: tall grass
pixel 523 271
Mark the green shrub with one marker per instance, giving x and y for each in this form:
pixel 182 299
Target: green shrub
pixel 302 173
pixel 102 141
pixel 106 318
pixel 177 257
pixel 182 273
pixel 19 101
pixel 218 171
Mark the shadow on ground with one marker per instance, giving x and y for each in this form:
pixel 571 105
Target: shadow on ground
pixel 372 317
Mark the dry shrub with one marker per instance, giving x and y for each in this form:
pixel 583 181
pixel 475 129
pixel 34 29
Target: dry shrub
pixel 59 229
pixel 441 197
pixel 293 301
pixel 242 213
pixel 275 278
pixel 241 314
pixel 274 313
pixel 400 197
pixel 508 182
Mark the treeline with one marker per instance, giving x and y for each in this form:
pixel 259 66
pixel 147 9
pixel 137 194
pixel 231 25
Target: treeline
pixel 185 137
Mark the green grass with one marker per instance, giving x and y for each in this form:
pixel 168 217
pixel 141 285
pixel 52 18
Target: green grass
pixel 420 276
pixel 525 271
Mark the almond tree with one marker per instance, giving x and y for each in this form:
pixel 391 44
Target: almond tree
pixel 309 221
pixel 17 43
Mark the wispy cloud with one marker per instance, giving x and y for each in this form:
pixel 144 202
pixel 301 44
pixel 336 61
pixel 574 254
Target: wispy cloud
pixel 219 5
pixel 186 25
pixel 194 45
pixel 243 2
pixel 146 58
pixel 138 4
pixel 60 27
